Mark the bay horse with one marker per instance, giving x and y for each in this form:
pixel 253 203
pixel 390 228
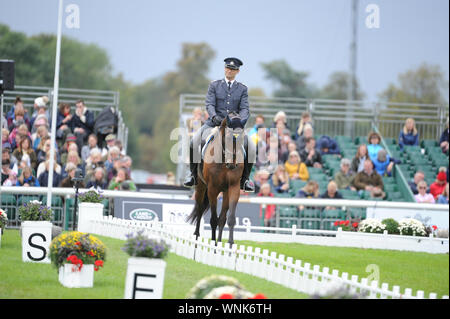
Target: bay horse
pixel 223 165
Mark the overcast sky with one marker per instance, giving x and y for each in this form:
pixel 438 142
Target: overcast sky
pixel 143 38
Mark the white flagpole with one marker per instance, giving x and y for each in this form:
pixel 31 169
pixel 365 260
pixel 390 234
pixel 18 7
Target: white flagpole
pixel 55 105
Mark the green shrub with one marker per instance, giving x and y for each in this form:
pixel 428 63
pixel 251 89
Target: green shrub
pixel 391 226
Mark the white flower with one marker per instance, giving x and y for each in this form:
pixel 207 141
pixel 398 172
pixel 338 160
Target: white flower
pixel 371 225
pixel 35 202
pixel 411 226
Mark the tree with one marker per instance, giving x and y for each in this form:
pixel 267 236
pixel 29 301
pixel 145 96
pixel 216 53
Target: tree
pixel 337 87
pixel 426 85
pixel 291 83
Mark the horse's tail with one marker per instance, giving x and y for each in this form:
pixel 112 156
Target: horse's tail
pixel 199 210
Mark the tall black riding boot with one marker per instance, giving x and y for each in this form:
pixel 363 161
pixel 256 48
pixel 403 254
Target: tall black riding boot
pixel 191 179
pixel 246 184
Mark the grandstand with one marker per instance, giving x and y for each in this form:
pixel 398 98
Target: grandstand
pixel 330 119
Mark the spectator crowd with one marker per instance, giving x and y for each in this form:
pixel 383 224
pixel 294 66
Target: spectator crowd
pixel 82 142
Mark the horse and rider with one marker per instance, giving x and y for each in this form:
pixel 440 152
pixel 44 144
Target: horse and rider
pixel 224 96
pixel 226 166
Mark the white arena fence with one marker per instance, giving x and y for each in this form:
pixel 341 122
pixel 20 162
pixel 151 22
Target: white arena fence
pixel 278 268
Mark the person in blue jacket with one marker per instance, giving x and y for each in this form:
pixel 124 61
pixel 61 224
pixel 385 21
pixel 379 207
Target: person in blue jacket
pixel 408 135
pixel 374 145
pixel 224 96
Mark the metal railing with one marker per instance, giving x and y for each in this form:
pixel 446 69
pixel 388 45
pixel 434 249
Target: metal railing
pixel 95 100
pixel 68 193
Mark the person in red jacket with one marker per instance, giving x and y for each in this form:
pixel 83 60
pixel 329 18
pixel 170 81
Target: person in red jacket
pixel 265 191
pixel 438 186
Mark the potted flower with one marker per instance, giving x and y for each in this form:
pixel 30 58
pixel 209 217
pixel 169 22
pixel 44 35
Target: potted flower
pixel 77 255
pixel 146 261
pixel 3 221
pixel 36 230
pixel 371 225
pixel 411 227
pixel 90 207
pixel 221 287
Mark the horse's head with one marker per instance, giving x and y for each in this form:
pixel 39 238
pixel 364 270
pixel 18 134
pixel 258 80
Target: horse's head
pixel 233 134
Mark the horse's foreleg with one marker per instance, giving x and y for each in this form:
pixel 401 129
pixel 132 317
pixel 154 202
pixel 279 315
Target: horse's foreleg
pixel 212 195
pixel 223 214
pixel 233 200
pixel 200 203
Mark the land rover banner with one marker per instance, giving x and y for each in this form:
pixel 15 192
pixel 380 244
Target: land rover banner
pixel 176 211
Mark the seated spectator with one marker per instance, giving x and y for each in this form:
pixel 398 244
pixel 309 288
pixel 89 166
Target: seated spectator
pixel 261 177
pixel 280 180
pixel 94 161
pixel 408 135
pixel 368 180
pixel 358 161
pixel 280 117
pixel 6 169
pixel 70 140
pixel 328 145
pixel 5 136
pixel 19 118
pixel 41 133
pixel 308 132
pixel 331 193
pixel 43 178
pixel 11 180
pixel 423 196
pixel 295 168
pixel 304 120
pixel 438 186
pixel 195 122
pixel 82 123
pixel 344 178
pixel 310 156
pixel 122 181
pixel 254 132
pixel 443 198
pixel 374 145
pixel 72 148
pixel 112 155
pixel 118 143
pixel 86 149
pixel 383 164
pixel 27 179
pixel 63 123
pixel 443 141
pixel 310 190
pixel 42 149
pixel 127 163
pixel 110 140
pixel 10 116
pixel 290 148
pixel 269 212
pixel 418 177
pixel 24 147
pixel 39 119
pixel 98 180
pixel 42 167
pixel 70 170
pixel 17 133
pixel 284 140
pixel 40 102
pixel 73 158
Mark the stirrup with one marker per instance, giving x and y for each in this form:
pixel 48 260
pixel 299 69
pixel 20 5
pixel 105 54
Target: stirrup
pixel 248 186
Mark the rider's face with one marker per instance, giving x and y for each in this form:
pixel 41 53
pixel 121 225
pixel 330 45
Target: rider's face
pixel 230 74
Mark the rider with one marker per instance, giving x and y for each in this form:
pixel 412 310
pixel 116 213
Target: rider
pixel 224 96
